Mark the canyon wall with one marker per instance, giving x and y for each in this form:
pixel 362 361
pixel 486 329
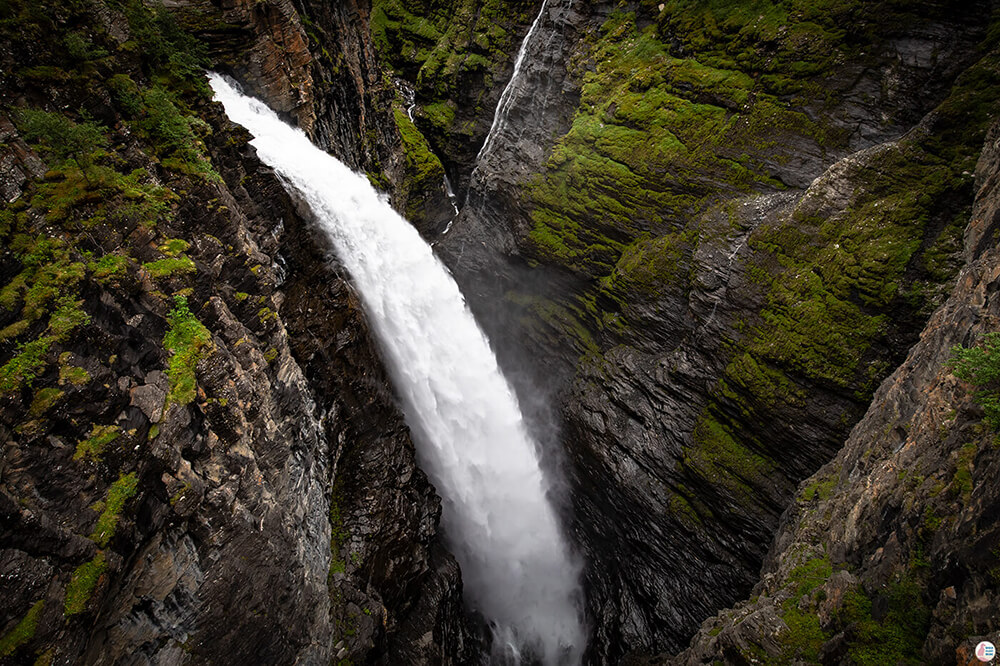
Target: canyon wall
pixel 702 242
pixel 889 552
pixel 707 236
pixel 203 459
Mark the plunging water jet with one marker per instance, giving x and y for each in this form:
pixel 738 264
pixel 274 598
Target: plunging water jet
pixel 517 567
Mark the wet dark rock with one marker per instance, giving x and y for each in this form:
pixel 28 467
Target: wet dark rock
pixel 276 517
pixel 908 501
pixel 665 542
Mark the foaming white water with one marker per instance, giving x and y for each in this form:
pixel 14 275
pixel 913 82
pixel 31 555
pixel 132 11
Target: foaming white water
pixel 516 564
pixel 507 96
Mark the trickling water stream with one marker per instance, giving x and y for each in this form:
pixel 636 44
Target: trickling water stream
pixel 472 441
pixel 507 96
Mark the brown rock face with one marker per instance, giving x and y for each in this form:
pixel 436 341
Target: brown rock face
pixel 263 44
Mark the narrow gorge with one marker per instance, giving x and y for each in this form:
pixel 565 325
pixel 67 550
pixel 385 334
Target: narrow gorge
pixel 732 393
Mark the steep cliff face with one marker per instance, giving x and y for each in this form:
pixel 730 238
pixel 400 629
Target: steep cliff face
pixel 713 320
pixel 889 553
pixel 455 59
pixel 316 63
pixel 202 458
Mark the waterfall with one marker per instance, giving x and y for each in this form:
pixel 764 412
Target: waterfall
pixel 507 96
pixel 516 564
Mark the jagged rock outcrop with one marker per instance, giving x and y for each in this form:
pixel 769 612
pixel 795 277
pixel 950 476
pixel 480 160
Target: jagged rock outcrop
pixel 196 468
pixel 263 44
pixel 889 551
pixel 315 63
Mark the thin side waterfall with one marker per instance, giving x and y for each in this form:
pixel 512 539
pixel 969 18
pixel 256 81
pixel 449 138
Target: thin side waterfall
pixel 506 97
pixel 517 566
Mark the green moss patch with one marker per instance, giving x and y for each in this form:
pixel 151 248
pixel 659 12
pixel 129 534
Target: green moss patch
pixel 424 172
pixel 187 340
pixel 723 458
pixel 895 638
pixel 92 448
pixel 23 631
pixel 120 492
pixel 44 400
pixel 82 584
pixel 647 148
pixel 170 267
pixel 447 48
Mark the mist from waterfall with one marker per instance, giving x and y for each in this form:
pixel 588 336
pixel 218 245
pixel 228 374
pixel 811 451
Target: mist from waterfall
pixel 517 567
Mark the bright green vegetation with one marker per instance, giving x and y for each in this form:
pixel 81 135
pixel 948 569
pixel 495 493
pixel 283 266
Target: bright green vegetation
pixel 450 51
pixel 665 128
pixel 648 263
pixel 961 482
pixel 109 269
pixel 898 636
pixel 653 138
pixel 86 189
pixel 187 340
pixel 25 366
pixel 805 636
pixel 980 366
pixel 809 575
pixel 175 134
pixel 82 584
pixel 120 492
pixel 72 374
pixel 169 267
pixel 81 190
pixel 424 172
pixel 93 447
pixel 787 44
pixel 48 274
pixel 23 631
pixel 62 138
pixel 67 317
pixel 173 247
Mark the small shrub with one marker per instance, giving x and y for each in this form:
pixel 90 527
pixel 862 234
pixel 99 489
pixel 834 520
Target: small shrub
pixel 68 316
pixel 980 366
pixel 125 93
pixel 81 48
pixel 25 366
pixel 62 137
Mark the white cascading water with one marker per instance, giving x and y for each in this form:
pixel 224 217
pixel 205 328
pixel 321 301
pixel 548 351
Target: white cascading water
pixel 507 96
pixel 516 564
